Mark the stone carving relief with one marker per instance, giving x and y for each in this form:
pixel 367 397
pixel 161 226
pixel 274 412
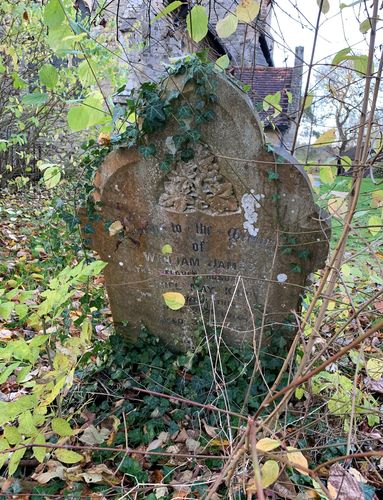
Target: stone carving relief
pixel 198 185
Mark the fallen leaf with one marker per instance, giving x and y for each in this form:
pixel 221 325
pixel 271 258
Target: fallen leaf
pixel 374 368
pixel 342 485
pixel 115 228
pixel 55 470
pixel 94 436
pixel 174 300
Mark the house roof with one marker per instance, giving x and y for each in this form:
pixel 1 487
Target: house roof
pixel 265 81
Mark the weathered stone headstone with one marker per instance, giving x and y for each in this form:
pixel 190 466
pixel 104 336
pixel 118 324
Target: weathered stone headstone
pixel 241 223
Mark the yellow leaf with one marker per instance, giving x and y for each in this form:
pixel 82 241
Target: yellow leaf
pixel 374 368
pixel 337 207
pixel 377 199
pixel 227 26
pixel 374 221
pixel 327 174
pixel 247 10
pixel 174 300
pixel 297 459
pixel 115 228
pixel 325 138
pixel 222 63
pixel 166 249
pixel 267 444
pixel 308 101
pixel 269 473
pixel 324 5
pixel 68 456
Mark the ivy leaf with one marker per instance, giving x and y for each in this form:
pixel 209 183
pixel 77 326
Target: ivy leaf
pixel 197 23
pixel 147 151
pixel 247 10
pixel 227 26
pixel 68 456
pixel 48 76
pixel 35 99
pixel 174 300
pixel 169 8
pixel 61 427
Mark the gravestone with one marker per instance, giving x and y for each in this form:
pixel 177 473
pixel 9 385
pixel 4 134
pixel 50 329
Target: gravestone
pixel 235 231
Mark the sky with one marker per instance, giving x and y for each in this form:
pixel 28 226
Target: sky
pixel 294 21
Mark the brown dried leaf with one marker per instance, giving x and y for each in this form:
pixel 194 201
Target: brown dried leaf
pixel 343 485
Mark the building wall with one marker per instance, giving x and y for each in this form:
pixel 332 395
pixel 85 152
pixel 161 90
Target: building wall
pixel 148 46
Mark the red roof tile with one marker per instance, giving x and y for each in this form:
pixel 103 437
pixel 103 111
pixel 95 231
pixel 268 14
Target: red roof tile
pixel 265 81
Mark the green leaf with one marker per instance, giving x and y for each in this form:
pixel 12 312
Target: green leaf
pixel 68 456
pixel 166 249
pixel 169 8
pixel 6 309
pixel 85 74
pixel 174 300
pixel 39 452
pixel 227 26
pixel 147 151
pixel 341 55
pixel 197 23
pixel 308 101
pixel 11 410
pixel 325 6
pixel 27 425
pixel 54 14
pixel 78 118
pixel 360 63
pixel 52 176
pixel 346 162
pixel 327 174
pixel 61 427
pixel 3 446
pixel 375 220
pixel 15 460
pixel 273 101
pixel 5 373
pixel 365 26
pixel 21 310
pixel 35 99
pixel 222 62
pixel 12 435
pixel 48 76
